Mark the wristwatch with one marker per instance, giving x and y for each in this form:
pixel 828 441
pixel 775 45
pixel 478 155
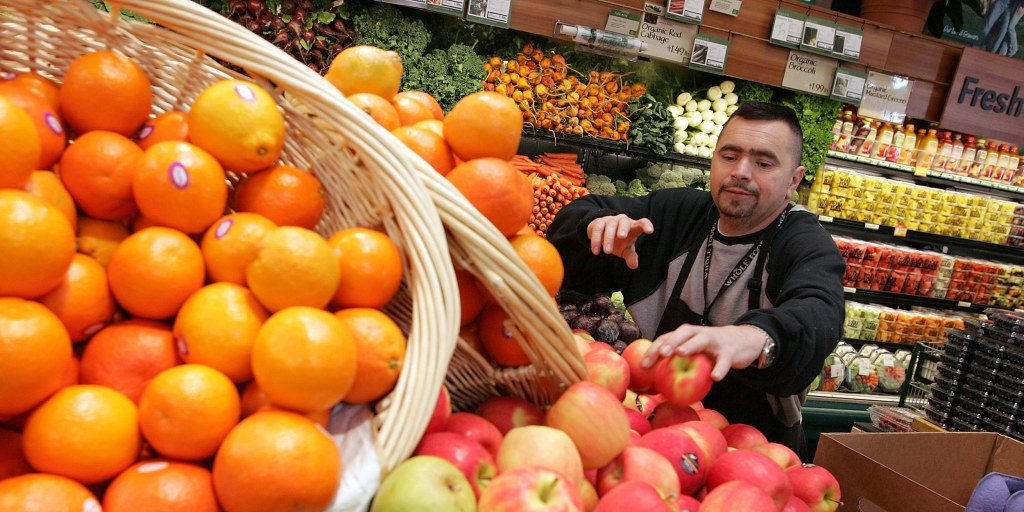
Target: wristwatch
pixel 768 353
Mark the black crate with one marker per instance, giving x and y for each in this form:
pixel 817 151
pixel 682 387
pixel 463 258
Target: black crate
pixel 1007 394
pixel 975 326
pixel 939 417
pixel 1010 420
pixel 1009 320
pixel 990 425
pixel 967 406
pixel 986 361
pixel 943 394
pixel 1010 381
pixel 980 382
pixel 952 384
pixel 998 333
pixel 960 425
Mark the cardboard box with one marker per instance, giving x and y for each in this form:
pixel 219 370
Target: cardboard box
pixel 915 471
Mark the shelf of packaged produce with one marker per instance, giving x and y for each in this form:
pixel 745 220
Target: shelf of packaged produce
pixel 934 178
pixel 850 397
pixel 536 141
pixel 897 300
pixel 951 244
pixel 888 345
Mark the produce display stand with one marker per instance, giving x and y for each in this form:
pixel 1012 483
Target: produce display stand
pixel 368 182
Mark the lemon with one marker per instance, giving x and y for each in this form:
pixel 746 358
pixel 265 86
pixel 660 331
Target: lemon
pixel 239 124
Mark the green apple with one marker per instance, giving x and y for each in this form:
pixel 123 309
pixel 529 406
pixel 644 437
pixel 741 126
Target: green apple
pixel 425 483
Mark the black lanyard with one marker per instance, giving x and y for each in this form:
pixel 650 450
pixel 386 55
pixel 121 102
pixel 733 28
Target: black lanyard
pixel 735 274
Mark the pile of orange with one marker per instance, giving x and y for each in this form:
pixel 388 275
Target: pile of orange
pixel 470 146
pixel 140 294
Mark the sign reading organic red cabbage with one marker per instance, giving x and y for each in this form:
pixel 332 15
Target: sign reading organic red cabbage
pixel 666 39
pixel 986 96
pixel 886 97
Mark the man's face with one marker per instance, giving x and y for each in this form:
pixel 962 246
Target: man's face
pixel 753 173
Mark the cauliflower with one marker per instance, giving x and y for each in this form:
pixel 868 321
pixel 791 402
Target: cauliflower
pixel 727 86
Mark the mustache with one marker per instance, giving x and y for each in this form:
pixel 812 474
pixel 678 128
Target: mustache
pixel 742 186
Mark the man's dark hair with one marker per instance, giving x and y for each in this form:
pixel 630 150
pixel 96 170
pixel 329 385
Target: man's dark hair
pixel 760 111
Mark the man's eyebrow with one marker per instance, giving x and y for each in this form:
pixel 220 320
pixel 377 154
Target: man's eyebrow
pixel 766 153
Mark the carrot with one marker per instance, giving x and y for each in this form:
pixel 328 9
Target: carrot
pixel 567 156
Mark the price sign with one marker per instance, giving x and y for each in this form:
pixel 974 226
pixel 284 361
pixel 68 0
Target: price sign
pixel 450 7
pixel 788 28
pixel 868 225
pixel 847 42
pixel 819 36
pixel 886 97
pixel 623 22
pixel 489 12
pixel 420 4
pixel 826 218
pixel 709 53
pixel 848 85
pixel 920 171
pixel 899 231
pixel 690 11
pixel 848 289
pixel 809 73
pixel 730 7
pixel 964 304
pixel 666 39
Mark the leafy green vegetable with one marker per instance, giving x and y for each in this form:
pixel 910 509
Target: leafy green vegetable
pixel 650 124
pixel 384 26
pixel 753 91
pixel 817 114
pixel 125 13
pixel 447 75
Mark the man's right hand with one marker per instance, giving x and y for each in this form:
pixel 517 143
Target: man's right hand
pixel 617 234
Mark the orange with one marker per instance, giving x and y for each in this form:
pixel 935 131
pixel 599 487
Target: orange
pixel 171 125
pixel 497 340
pixel 46 185
pixel 19 143
pixel 179 185
pixel 304 359
pixel 140 222
pixel 484 124
pixel 542 259
pixel 294 267
pixel 125 356
pixel 284 194
pixel 231 243
pixel 380 350
pixel 426 99
pixel 82 300
pixel 497 190
pixel 97 170
pixel 105 91
pixel 37 244
pixel 153 271
pixel 161 486
pixel 239 124
pixel 86 433
pixel 47 122
pixel 186 411
pixel 366 69
pixel 255 400
pixel 410 110
pixel 41 86
pixel 471 299
pixel 371 268
pixel 428 145
pixel 40 492
pixel 98 238
pixel 217 326
pixel 432 125
pixel 275 460
pixel 379 109
pixel 12 457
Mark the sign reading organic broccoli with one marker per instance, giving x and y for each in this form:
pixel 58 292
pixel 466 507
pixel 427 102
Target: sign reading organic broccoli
pixel 809 73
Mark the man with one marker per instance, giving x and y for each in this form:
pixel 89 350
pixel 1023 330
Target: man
pixel 735 273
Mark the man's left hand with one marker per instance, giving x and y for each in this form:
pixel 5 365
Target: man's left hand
pixel 730 346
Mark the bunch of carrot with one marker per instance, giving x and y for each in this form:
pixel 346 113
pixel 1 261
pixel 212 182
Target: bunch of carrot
pixel 556 179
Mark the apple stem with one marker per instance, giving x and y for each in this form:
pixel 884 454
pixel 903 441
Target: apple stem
pixel 546 490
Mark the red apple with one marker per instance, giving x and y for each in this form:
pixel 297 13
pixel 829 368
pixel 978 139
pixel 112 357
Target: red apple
pixel 741 435
pixel 634 438
pixel 682 451
pixel 698 405
pixel 816 486
pixel 687 503
pixel 609 369
pixel 600 345
pixel 708 438
pixel 683 380
pixel 634 495
pixel 783 455
pixel 796 505
pixel 538 445
pixel 754 468
pixel 507 412
pixel 647 403
pixel 638 463
pixel 582 345
pixel 668 414
pixel 595 420
pixel 589 495
pixel 713 417
pixel 442 410
pixel 641 379
pixel 475 462
pixel 591 476
pixel 530 489
pixel 476 428
pixel 637 421
pixel 737 496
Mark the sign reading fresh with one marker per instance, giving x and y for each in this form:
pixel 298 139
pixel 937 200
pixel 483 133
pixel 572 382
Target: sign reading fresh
pixel 986 96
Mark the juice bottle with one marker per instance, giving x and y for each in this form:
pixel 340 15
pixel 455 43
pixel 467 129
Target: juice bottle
pixel 846 138
pixel 893 154
pixel 860 136
pixel 991 158
pixel 956 154
pixel 942 155
pixel 837 129
pixel 1014 165
pixel 882 142
pixel 979 159
pixel 967 159
pixel 909 147
pixel 869 140
pixel 926 149
pixel 1002 163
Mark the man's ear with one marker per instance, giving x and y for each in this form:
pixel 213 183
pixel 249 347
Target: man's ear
pixel 798 176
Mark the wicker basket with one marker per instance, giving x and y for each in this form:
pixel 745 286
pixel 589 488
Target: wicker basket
pixel 379 189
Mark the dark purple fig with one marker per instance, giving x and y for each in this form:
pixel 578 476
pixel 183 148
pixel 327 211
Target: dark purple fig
pixel 606 331
pixel 587 322
pixel 602 305
pixel 628 331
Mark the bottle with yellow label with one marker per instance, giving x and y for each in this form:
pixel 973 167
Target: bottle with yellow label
pixel 926 149
pixel 909 147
